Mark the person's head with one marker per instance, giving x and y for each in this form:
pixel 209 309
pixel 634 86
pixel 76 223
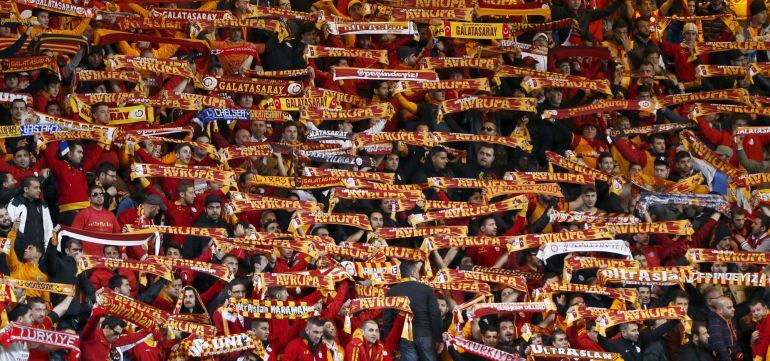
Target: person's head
pixel 37 306
pixel 409 269
pixel 724 307
pixel 489 337
pixel 112 326
pixel 5 219
pixel 439 157
pixel 642 27
pixel 485 156
pixel 183 152
pixel 290 133
pixel 758 309
pixel 629 331
pixel 96 196
pixel 245 100
pixel 700 333
pixel 231 261
pixel 381 89
pixel 690 32
pixel 258 128
pixel 719 267
pixel 175 288
pixel 100 112
pixel 507 330
pixel 22 158
pixel 489 128
pixel 684 163
pixel 173 250
pixel 75 153
pixel 237 288
pixel 645 294
pixel 284 4
pixel 574 5
pixel 261 328
pixel 661 168
pixel 376 219
pixel 370 331
pixel 18 109
pixel 152 206
pixel 443 306
pixel 53 86
pixel 235 34
pixel 646 7
pixel 272 227
pixel 11 81
pixel 186 192
pixel 647 71
pixel 314 330
pixel 30 185
pixel 21 314
pixel 438 95
pixel 188 299
pixel 309 35
pixel 392 161
pixel 553 96
pixel 488 226
pixel 738 215
pixel 9 182
pixel 278 293
pixel 681 299
pixel 107 174
pixel 606 163
pixel 589 196
pixel 119 284
pixel 760 225
pixel 758 11
pixel 559 339
pixel 213 206
pixel 639 256
pixel 330 331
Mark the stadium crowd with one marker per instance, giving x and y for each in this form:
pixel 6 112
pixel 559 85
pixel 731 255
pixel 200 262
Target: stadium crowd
pixel 373 180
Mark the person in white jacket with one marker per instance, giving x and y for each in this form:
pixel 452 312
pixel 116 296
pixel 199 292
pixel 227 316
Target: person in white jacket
pixel 35 219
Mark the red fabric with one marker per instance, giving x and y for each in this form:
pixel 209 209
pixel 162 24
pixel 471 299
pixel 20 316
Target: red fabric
pixel 232 327
pixel 298 350
pixel 98 348
pixel 90 219
pixel 133 217
pixel 760 347
pixel 69 178
pixel 100 277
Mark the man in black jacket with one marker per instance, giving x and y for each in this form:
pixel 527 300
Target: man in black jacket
pixel 632 342
pixel 698 348
pixel 194 245
pixel 426 325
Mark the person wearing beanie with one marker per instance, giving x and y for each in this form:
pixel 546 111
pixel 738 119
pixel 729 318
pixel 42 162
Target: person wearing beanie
pixel 210 218
pixel 757 28
pixel 680 54
pixel 407 56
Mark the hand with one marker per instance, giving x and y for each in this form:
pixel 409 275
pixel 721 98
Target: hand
pixel 754 337
pixel 45 173
pixel 439 347
pixel 16 223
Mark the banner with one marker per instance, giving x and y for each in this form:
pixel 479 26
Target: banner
pixel 567 164
pixel 480 310
pixel 314 52
pixel 704 255
pixel 480 84
pixel 600 86
pixel 713 201
pixel 375 111
pixel 276 26
pixel 44 287
pixel 746 279
pixel 489 353
pixel 219 345
pixel 243 85
pixel 513 203
pixel 449 62
pixel 336 96
pixel 143 170
pixel 409 232
pixel 551 352
pixel 240 203
pixel 150 23
pixel 600 106
pixel 118 116
pixel 650 129
pixel 578 263
pixel 663 276
pixel 189 14
pixel 28 63
pixel 427 15
pixel 250 308
pixel 712 47
pixel 60 7
pixel 479 31
pixel 341 173
pixel 616 246
pixel 708 71
pixel 17 332
pixel 616 317
pixel 146 266
pixel 486 103
pixel 701 109
pixel 353 220
pixel 592 217
pixel 219 271
pixel 733 95
pixel 373 28
pixel 342 73
pixel 265 280
pixel 626 294
pixel 573 178
pixel 164 66
pixel 450 275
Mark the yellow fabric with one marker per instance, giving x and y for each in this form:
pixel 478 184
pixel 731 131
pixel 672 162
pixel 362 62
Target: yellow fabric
pixel 26 270
pixel 73 206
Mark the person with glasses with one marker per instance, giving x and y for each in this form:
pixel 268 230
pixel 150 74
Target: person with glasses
pixel 95 218
pixel 103 333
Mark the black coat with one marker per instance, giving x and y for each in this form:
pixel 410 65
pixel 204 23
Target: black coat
pixel 692 352
pixel 194 245
pixel 632 351
pixel 427 318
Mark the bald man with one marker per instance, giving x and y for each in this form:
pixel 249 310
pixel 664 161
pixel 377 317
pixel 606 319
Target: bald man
pixel 723 337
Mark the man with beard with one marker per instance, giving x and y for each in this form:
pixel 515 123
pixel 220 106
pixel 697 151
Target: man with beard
pixel 309 346
pixel 698 348
pixel 760 338
pixel 70 175
pixel 335 351
pixel 632 341
pixel 507 336
pixel 95 218
pixel 482 168
pixel 758 240
pixel 141 217
pixel 211 218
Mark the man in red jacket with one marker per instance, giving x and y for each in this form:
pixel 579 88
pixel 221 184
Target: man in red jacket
pixel 308 346
pixel 71 176
pixel 366 344
pixel 102 334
